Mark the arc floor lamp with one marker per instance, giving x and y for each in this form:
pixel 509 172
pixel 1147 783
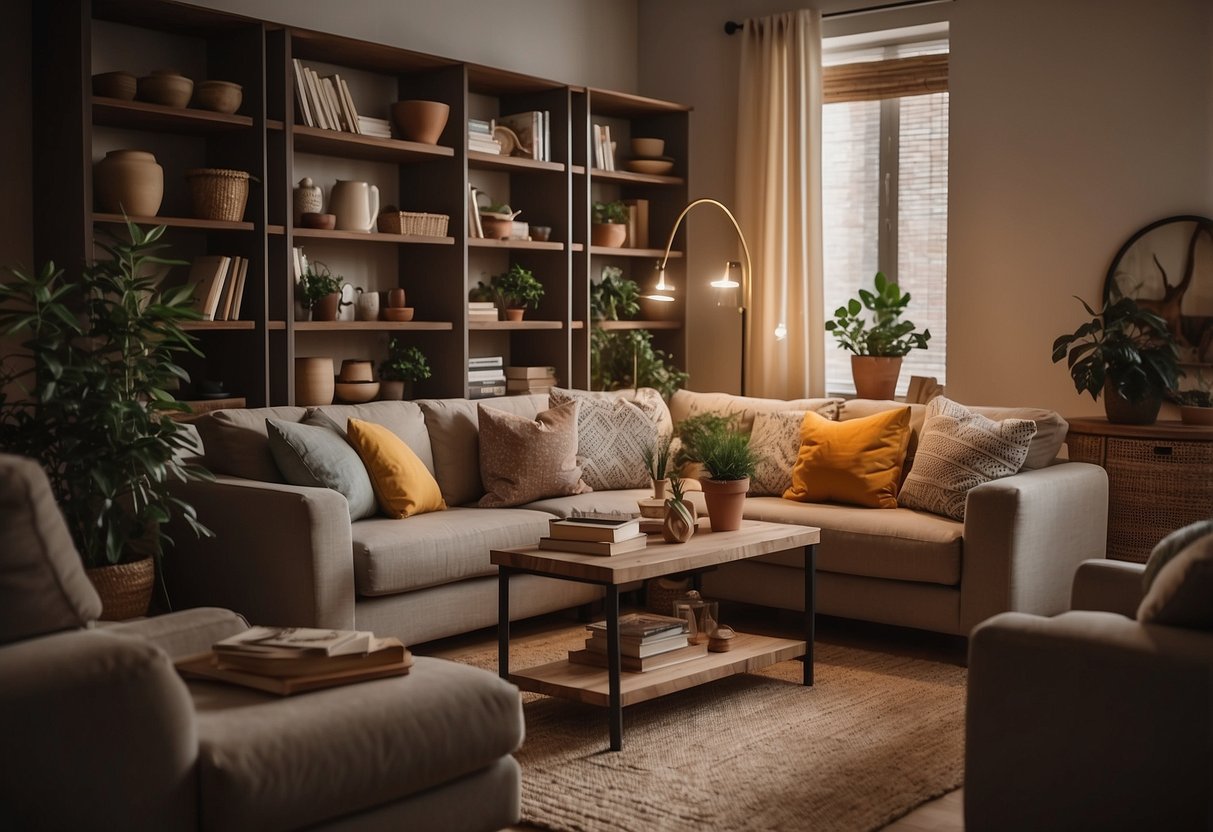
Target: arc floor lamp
pixel 663 292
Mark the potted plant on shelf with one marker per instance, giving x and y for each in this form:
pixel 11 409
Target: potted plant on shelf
pixel 90 401
pixel 516 290
pixel 877 347
pixel 403 366
pixel 625 359
pixel 679 523
pixel 1124 352
pixel 609 228
pixel 614 297
pixel 1195 406
pixel 729 463
pixel 320 292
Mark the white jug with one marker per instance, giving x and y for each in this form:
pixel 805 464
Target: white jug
pixel 356 205
pixel 366 307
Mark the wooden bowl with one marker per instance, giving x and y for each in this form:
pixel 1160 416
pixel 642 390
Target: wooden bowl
pixel 399 314
pixel 419 120
pixel 165 87
pixel 648 148
pixel 326 222
pixel 218 96
pixel 121 85
pixel 655 167
pixel 356 392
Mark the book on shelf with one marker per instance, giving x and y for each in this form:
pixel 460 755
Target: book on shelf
pixel 207 667
pixel 638 223
pixel 530 385
pixel 641 625
pixel 604 153
pixel 486 144
pixel 594 528
pixel 347 103
pixel 207 274
pixel 475 229
pixel 528 371
pixel 483 315
pixel 298 641
pixel 491 391
pixel 594 547
pixel 480 126
pixel 301 95
pixel 638 648
pixel 487 376
pixel 240 277
pixel 377 127
pixel 632 664
pixel 227 304
pixel 329 90
pixel 318 106
pixel 481 305
pixel 484 362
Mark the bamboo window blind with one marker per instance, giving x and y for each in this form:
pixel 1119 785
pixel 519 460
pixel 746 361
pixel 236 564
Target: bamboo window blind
pixel 893 78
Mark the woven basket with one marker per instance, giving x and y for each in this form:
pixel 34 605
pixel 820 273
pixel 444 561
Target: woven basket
pixel 218 193
pixel 412 222
pixel 125 588
pixel 661 593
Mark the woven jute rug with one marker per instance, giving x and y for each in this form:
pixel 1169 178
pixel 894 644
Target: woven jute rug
pixel 875 737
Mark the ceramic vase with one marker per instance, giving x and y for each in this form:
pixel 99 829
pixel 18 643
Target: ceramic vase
pixel 327 307
pixel 726 500
pixel 608 234
pixel 659 488
pixel 420 121
pixel 308 198
pixel 355 203
pixel 314 381
pixel 391 391
pixel 514 314
pixel 129 181
pixel 676 528
pixel 875 375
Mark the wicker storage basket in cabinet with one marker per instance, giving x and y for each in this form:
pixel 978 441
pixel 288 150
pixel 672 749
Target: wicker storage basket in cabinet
pixel 1160 477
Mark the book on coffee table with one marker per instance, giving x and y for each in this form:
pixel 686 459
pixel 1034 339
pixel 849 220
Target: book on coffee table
pixel 603 530
pixel 642 625
pixel 633 664
pixel 638 648
pixel 594 547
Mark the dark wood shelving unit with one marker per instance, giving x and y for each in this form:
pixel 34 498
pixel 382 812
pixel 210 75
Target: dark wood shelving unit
pixel 174 222
pixel 140 115
pixel 373 326
pixel 370 148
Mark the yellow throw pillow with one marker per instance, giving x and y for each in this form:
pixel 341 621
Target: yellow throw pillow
pixel 403 485
pixel 857 461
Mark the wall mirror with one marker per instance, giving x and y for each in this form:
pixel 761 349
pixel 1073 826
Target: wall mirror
pixel 1167 267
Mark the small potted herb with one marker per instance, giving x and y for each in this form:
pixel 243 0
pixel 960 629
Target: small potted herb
pixel 320 292
pixel 876 347
pixel 403 366
pixel 728 461
pixel 609 228
pixel 516 290
pixel 656 462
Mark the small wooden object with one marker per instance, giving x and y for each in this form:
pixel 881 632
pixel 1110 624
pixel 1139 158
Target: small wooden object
pixel 721 640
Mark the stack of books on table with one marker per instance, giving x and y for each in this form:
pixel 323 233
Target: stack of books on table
pixel 286 660
pixel 378 127
pixel 647 641
pixel 480 136
pixel 594 536
pixel 486 377
pixel 479 310
pixel 521 381
pixel 218 282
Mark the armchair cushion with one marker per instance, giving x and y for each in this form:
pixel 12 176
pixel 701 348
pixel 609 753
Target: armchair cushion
pixel 1180 593
pixel 1170 547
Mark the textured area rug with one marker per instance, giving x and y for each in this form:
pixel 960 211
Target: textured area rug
pixel 875 737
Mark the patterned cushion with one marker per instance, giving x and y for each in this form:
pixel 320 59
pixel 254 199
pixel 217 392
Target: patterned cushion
pixel 612 435
pixel 776 441
pixel 523 460
pixel 959 450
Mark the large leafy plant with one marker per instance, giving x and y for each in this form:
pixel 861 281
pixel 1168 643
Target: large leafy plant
pixel 90 385
pixel 625 359
pixel 614 297
pixel 886 334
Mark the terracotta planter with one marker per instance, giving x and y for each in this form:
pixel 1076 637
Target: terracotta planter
pixel 314 381
pixel 391 391
pixel 129 181
pixel 725 499
pixel 1190 414
pixel 326 308
pixel 514 314
pixel 125 588
pixel 875 375
pixel 675 528
pixel 420 121
pixel 608 234
pixel 659 488
pixel 1121 411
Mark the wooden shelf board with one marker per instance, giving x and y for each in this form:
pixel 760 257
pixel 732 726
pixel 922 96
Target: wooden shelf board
pixel 528 325
pixel 488 80
pixel 650 253
pixel 372 326
pixel 275 229
pixel 578 246
pixel 493 161
pixel 371 237
pixel 140 115
pixel 582 683
pixel 276 326
pixel 578 170
pixel 639 325
pixel 578 324
pixel 275 124
pixel 611 103
pixel 625 177
pixel 220 326
pixel 352 145
pixel 174 222
pixel 530 245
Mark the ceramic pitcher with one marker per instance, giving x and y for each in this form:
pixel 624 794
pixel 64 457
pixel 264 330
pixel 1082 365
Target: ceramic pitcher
pixel 366 306
pixel 355 203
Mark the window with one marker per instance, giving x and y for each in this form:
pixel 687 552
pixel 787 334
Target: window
pixel 885 191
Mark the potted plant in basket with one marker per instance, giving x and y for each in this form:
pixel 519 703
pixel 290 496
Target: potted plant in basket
pixel 320 292
pixel 609 228
pixel 516 290
pixel 729 463
pixel 403 366
pixel 1124 352
pixel 679 523
pixel 90 385
pixel 877 347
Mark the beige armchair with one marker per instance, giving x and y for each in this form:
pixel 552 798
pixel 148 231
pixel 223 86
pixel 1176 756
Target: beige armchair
pixel 1102 717
pixel 99 731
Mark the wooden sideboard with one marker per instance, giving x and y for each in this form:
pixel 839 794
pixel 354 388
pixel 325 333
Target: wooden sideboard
pixel 1160 478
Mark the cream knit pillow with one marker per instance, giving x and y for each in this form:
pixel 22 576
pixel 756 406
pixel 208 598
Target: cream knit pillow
pixel 612 435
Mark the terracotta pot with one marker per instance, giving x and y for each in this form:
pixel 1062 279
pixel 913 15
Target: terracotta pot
pixel 608 234
pixel 391 391
pixel 514 314
pixel 1121 411
pixel 675 528
pixel 314 383
pixel 1190 414
pixel 326 308
pixel 396 298
pixel 165 87
pixel 420 121
pixel 130 181
pixel 659 488
pixel 125 588
pixel 496 229
pixel 875 375
pixel 725 499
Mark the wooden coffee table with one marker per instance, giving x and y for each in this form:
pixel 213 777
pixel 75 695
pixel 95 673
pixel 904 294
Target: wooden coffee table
pixel 615 690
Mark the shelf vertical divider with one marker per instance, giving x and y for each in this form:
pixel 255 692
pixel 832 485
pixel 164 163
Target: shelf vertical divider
pixel 279 286
pixel 583 156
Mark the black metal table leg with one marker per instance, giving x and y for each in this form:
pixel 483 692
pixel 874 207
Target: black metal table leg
pixel 503 622
pixel 615 701
pixel 810 606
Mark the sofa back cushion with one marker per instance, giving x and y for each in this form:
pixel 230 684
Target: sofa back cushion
pixel 685 404
pixel 613 433
pixel 317 453
pixel 523 460
pixel 235 442
pixel 404 419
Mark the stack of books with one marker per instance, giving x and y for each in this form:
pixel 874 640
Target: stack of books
pixel 286 660
pixel 526 380
pixel 475 229
pixel 486 377
pixel 594 536
pixel 604 147
pixel 646 642
pixel 638 223
pixel 218 282
pixel 480 136
pixel 380 128
pixel 533 129
pixel 324 102
pixel 482 310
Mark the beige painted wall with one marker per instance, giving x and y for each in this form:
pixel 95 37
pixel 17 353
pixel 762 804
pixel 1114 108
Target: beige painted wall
pixel 1073 122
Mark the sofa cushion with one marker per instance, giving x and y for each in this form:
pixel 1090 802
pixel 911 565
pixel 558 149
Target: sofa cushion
pixel 775 441
pixel 646 398
pixel 393 556
pixel 612 437
pixel 286 763
pixel 857 462
pixel 1169 547
pixel 898 544
pixel 618 503
pixel 404 419
pixel 1180 593
pixel 316 453
pixel 43 586
pixel 454 430
pixel 522 459
pixel 235 442
pixel 403 485
pixel 685 404
pixel 960 450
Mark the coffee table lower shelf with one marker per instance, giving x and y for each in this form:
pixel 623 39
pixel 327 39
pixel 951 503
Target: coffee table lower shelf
pixel 583 683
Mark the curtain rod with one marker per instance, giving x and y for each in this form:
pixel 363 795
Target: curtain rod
pixel 732 27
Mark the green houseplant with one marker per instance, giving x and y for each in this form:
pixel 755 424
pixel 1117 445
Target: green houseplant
pixel 657 462
pixel 609 228
pixel 90 382
pixel 876 346
pixel 622 359
pixel 404 365
pixel 728 460
pixel 516 290
pixel 320 292
pixel 1124 352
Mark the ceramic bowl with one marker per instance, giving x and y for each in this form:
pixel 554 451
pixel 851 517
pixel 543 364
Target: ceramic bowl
pixel 655 167
pixel 118 84
pixel 325 221
pixel 648 148
pixel 165 87
pixel 356 370
pixel 218 96
pixel 420 121
pixel 495 228
pixel 399 314
pixel 541 233
pixel 356 392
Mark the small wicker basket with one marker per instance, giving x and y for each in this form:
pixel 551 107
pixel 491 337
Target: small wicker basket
pixel 413 222
pixel 218 193
pixel 125 588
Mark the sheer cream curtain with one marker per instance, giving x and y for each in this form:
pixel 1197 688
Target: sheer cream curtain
pixel 779 201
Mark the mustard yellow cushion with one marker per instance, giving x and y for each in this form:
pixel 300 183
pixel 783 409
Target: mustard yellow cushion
pixel 857 461
pixel 403 485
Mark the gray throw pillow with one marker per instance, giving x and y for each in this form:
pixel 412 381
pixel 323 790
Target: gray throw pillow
pixel 1169 547
pixel 1182 588
pixel 316 453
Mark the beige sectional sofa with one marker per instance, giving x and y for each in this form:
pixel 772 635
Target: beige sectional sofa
pixel 287 554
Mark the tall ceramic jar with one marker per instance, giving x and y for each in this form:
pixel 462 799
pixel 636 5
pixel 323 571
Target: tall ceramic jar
pixel 308 198
pixel 314 381
pixel 129 181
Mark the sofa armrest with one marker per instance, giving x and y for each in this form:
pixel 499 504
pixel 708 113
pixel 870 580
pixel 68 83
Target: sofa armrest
pixel 185 633
pixel 1088 721
pixel 1024 537
pixel 281 554
pixel 98 732
pixel 1109 586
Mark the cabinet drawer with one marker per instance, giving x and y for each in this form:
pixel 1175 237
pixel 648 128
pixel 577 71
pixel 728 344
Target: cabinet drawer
pixel 1155 487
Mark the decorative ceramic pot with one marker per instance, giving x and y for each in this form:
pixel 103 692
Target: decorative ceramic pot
pixel 391 391
pixel 875 375
pixel 218 96
pixel 512 314
pixel 726 500
pixel 366 307
pixel 608 234
pixel 165 87
pixel 420 121
pixel 314 382
pixel 327 307
pixel 119 84
pixel 125 588
pixel 308 199
pixel 676 528
pixel 356 205
pixel 1121 411
pixel 129 181
pixel 1190 414
pixel 396 298
pixel 659 488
